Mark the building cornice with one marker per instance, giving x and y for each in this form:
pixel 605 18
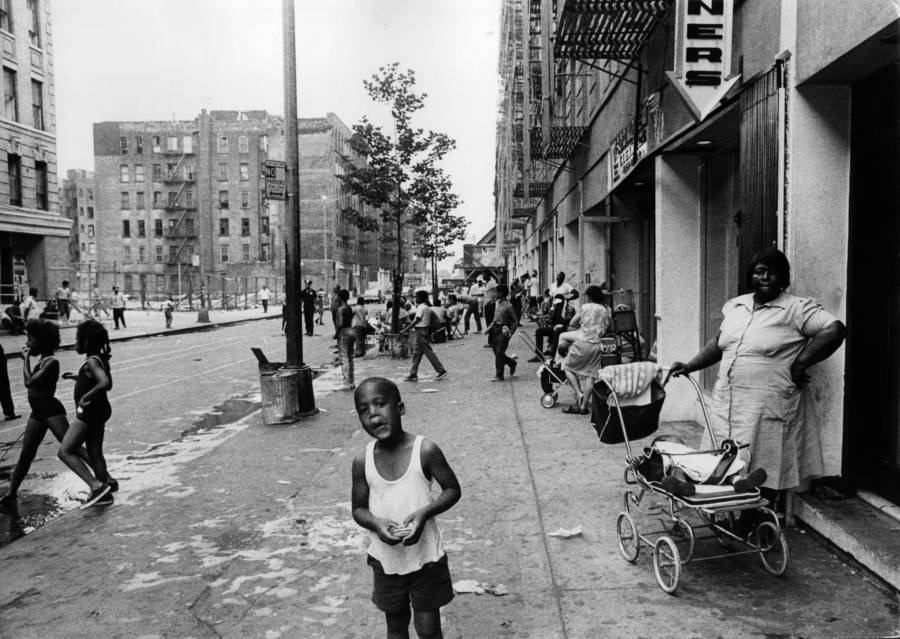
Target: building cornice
pixel 33 222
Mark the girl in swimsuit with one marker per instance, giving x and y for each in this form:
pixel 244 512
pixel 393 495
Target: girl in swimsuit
pixel 46 411
pixel 92 409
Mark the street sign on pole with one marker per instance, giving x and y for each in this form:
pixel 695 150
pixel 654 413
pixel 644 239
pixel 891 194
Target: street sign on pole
pixel 275 173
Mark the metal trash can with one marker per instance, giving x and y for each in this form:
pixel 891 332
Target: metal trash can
pixel 280 396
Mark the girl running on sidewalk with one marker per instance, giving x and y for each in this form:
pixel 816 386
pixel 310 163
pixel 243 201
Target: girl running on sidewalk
pixel 46 411
pixel 92 409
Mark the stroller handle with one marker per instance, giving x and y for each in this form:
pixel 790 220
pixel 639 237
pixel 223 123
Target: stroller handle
pixel 697 390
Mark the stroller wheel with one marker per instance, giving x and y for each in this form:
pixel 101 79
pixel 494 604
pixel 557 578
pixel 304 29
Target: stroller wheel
pixel 666 564
pixel 629 541
pixel 548 400
pixel 773 548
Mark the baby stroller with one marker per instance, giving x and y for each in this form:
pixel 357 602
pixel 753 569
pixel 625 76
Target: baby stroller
pixel 619 417
pixel 550 374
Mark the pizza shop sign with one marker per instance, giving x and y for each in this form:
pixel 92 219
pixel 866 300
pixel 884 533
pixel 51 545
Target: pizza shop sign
pixel 702 72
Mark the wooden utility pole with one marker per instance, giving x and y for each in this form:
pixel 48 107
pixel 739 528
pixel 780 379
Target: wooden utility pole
pixel 292 306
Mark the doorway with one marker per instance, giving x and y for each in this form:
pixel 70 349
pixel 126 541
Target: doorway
pixel 872 408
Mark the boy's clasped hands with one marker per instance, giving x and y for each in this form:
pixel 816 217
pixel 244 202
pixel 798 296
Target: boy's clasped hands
pixel 407 533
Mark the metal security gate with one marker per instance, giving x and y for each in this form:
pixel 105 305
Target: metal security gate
pixel 759 106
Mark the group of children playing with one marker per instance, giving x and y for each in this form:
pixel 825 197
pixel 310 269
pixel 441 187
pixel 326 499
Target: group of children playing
pixel 81 441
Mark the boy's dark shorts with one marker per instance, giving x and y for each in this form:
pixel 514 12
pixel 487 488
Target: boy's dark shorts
pixel 428 588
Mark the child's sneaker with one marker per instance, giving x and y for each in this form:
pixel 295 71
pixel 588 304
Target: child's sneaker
pixel 440 376
pixel 95 496
pixel 410 378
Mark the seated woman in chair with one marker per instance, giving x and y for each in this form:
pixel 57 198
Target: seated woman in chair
pixel 580 350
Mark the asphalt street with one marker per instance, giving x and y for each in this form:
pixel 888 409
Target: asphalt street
pixel 225 527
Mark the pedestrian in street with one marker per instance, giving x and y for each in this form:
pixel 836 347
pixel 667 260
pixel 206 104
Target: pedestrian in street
pixel 29 305
pixel 534 294
pixel 168 307
pixel 308 299
pixel 92 408
pixel 766 342
pixel 320 307
pixel 336 302
pixel 47 412
pixel 499 331
pixel 118 307
pixel 63 294
pixel 391 498
pixel 471 306
pixel 516 293
pixel 343 331
pixel 422 324
pixel 6 400
pixel 360 324
pixel 264 296
pixel 490 303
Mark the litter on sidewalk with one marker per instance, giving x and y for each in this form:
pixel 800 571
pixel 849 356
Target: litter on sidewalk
pixel 567 534
pixel 470 586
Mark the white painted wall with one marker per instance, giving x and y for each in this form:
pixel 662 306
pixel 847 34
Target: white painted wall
pixel 678 274
pixel 817 238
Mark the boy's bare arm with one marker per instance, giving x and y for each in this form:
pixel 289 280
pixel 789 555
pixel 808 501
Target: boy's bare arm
pixel 359 501
pixel 435 465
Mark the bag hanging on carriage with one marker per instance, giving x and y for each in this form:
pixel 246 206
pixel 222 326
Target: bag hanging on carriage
pixel 641 395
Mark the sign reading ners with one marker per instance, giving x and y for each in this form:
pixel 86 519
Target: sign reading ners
pixel 703 53
pixel 275 173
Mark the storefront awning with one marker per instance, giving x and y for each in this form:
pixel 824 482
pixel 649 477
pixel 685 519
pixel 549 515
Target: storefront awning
pixel 605 29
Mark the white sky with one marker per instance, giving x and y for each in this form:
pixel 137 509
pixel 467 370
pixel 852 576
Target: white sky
pixel 165 59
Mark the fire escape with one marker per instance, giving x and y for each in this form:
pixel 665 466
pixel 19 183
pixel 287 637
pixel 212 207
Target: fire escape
pixel 179 175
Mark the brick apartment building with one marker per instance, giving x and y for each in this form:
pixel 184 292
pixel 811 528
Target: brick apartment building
pixel 77 203
pixel 33 234
pixel 179 203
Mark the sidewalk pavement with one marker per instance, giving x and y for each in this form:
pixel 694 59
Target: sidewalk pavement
pixel 144 323
pixel 255 537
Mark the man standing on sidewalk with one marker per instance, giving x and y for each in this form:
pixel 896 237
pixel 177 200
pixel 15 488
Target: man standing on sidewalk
pixel 118 307
pixel 343 320
pixel 309 297
pixel 264 296
pixel 422 325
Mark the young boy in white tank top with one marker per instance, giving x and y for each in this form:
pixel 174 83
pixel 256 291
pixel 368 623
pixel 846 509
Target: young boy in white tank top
pixel 392 498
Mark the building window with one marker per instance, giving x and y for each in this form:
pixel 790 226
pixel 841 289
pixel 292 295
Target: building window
pixel 156 144
pixel 90 212
pixel 157 199
pixel 188 171
pixel 126 255
pixel 173 199
pixel 245 252
pixel 139 145
pixel 10 95
pixel 187 142
pixel 124 200
pixel 222 144
pixel 142 254
pixel 124 173
pixel 263 252
pixel 223 253
pixel 245 199
pixel 5 16
pixel 159 254
pixel 92 248
pixel 189 249
pixel 189 198
pixel 223 226
pixel 42 200
pixel 243 144
pixel 223 199
pixel 189 225
pixel 170 171
pixel 157 172
pixel 223 172
pixel 139 202
pixel 157 227
pixel 34 33
pixel 127 281
pixel 172 143
pixel 264 225
pixel 90 230
pixel 90 195
pixel 245 172
pixel 245 227
pixel 37 104
pixel 142 228
pixel 80 211
pixel 161 281
pixel 126 231
pixel 264 143
pixel 173 253
pixel 138 172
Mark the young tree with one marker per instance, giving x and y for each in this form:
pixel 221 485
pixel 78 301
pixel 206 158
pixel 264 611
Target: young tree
pixel 439 227
pixel 400 168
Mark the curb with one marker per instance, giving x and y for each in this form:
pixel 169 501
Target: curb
pixel 193 328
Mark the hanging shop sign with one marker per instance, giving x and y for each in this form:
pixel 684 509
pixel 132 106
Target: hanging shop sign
pixel 275 173
pixel 702 72
pixel 625 152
